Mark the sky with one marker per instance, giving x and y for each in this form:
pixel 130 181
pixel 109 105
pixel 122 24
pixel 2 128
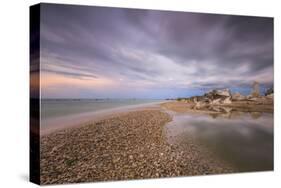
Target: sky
pixel 98 52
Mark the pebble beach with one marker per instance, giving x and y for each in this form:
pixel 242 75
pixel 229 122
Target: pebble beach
pixel 131 145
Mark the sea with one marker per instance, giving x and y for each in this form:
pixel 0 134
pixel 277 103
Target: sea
pixel 54 108
pixel 245 140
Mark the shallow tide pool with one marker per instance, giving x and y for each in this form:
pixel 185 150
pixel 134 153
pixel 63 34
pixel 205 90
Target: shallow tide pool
pixel 245 140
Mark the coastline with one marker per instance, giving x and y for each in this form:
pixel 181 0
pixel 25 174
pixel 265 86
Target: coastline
pixel 76 120
pixel 127 143
pixel 132 145
pixel 221 109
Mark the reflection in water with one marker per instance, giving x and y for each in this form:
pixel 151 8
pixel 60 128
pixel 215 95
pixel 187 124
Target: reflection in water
pixel 243 139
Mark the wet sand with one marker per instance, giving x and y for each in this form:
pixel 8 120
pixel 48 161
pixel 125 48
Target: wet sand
pixel 127 145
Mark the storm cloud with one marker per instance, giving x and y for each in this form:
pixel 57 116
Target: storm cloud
pixel 150 53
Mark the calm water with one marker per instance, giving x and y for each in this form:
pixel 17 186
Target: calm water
pixel 53 108
pixel 243 140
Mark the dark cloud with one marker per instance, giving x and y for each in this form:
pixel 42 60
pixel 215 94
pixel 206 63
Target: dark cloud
pixel 193 50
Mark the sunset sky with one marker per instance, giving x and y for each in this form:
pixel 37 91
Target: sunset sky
pixel 96 52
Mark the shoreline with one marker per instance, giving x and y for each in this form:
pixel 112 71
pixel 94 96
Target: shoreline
pixel 189 107
pixel 76 120
pixel 131 145
pixel 48 126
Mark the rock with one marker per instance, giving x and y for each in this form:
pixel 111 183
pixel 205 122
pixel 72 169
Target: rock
pixel 216 101
pixel 215 108
pixel 223 92
pixel 227 100
pixel 255 90
pixel 270 96
pixel 199 105
pixel 219 94
pixel 237 96
pixel 214 94
pixel 227 110
pixel 249 97
pixel 214 97
pixel 194 99
pixel 116 160
pixel 253 98
pixel 269 92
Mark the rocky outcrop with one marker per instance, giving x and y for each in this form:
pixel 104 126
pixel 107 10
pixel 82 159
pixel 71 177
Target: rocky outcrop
pixel 227 100
pixel 223 92
pixel 199 105
pixel 237 97
pixel 216 99
pixel 214 94
pixel 255 90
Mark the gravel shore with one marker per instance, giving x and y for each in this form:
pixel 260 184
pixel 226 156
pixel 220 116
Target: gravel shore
pixel 126 146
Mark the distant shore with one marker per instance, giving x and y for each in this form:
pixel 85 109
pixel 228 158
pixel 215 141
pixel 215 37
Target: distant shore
pixel 189 107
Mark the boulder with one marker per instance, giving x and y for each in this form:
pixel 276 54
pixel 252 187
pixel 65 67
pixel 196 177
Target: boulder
pixel 216 101
pixel 223 92
pixel 249 97
pixel 214 94
pixel 269 91
pixel 227 100
pixel 199 105
pixel 216 97
pixel 237 96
